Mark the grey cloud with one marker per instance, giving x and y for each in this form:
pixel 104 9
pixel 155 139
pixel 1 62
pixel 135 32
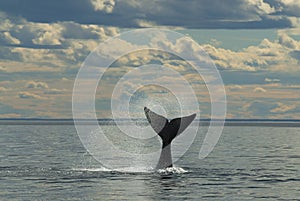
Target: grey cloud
pixel 7 38
pixel 103 5
pixel 271 109
pixel 192 14
pixel 54 92
pixel 286 7
pixel 260 108
pixel 282 108
pixel 288 42
pixel 53 44
pixel 18 32
pixel 77 31
pixel 35 85
pixel 27 95
pixel 22 33
pixel 272 80
pixel 6 53
pixel 296 54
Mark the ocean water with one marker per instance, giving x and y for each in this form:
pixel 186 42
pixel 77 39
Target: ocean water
pixel 48 162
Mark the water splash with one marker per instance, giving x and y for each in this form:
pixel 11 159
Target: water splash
pixel 172 170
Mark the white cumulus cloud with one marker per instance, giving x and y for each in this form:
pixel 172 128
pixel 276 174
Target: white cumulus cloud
pixel 48 35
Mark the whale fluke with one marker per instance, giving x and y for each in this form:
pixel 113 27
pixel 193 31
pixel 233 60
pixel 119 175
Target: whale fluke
pixel 167 130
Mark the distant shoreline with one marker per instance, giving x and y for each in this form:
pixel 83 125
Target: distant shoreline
pixel 201 122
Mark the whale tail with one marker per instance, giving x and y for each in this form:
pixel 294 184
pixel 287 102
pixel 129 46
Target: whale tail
pixel 167 130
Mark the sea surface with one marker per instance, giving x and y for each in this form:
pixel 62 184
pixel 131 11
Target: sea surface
pixel 49 162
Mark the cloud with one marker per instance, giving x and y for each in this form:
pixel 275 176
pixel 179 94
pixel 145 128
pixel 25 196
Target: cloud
pixel 282 108
pixel 234 87
pixel 287 41
pixel 27 95
pixel 290 32
pixel 34 46
pixel 48 34
pixel 72 30
pixel 259 90
pixel 230 60
pixel 295 54
pixel 258 109
pixel 2 69
pixel 2 89
pixel 36 85
pixel 215 42
pixel 145 23
pixel 7 38
pixel 5 23
pixel 18 32
pixel 54 91
pixel 281 55
pixel 290 7
pixel 103 5
pixel 259 6
pixel 58 44
pixel 10 115
pixel 272 80
pixel 196 14
pixel 31 34
pixel 7 53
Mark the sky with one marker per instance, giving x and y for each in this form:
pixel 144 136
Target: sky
pixel 254 44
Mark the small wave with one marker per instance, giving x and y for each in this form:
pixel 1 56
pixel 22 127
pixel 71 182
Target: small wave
pixel 121 170
pixel 172 170
pixel 100 169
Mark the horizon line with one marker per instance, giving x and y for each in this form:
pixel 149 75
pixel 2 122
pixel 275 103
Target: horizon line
pixel 141 122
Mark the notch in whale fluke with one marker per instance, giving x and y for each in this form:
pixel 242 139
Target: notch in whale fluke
pixel 167 130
